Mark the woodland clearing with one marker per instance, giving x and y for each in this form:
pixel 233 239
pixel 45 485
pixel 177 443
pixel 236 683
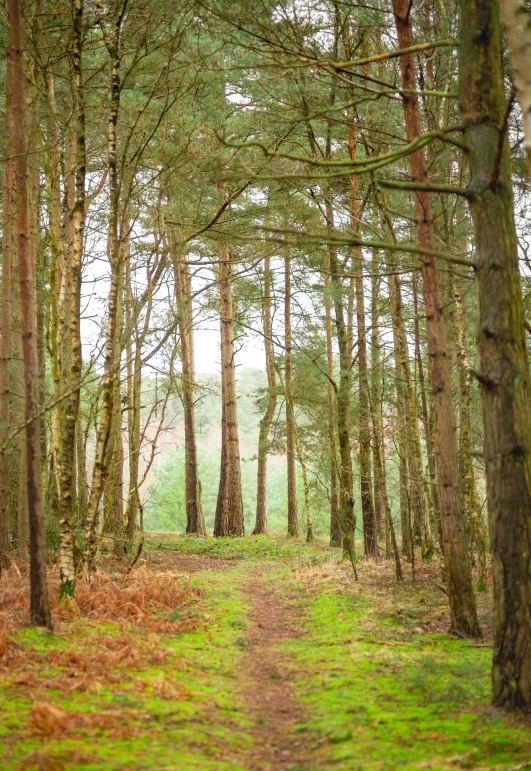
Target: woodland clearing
pixel 249 654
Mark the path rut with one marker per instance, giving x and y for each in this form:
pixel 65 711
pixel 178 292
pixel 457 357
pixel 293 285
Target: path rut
pixel 267 691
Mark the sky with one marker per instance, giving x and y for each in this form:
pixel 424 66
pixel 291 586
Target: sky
pixel 207 353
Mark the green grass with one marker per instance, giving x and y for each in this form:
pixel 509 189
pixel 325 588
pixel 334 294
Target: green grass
pixel 198 726
pixel 380 690
pixel 263 547
pixel 380 702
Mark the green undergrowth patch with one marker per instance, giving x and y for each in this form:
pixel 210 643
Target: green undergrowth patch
pixel 262 547
pixel 172 704
pixel 382 698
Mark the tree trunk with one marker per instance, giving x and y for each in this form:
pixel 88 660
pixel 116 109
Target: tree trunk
pixel 39 608
pixel 503 365
pixel 335 526
pixel 470 498
pixel 66 332
pixel 265 423
pixel 395 303
pixel 364 456
pixel 229 508
pixel 367 505
pixel 293 521
pixel 195 522
pixel 461 597
pixel 434 508
pixel 347 519
pixel 8 214
pixel 112 333
pixel 381 501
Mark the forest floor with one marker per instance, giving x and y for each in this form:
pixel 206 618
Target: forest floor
pixel 255 654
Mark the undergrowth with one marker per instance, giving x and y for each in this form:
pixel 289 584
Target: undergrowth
pixel 263 547
pixel 143 669
pixel 387 693
pixel 136 676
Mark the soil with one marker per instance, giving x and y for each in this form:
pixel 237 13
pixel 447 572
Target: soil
pixel 266 674
pixel 267 677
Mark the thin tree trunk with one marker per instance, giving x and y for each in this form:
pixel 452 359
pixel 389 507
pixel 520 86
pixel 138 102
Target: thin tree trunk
pixel 434 508
pixel 194 513
pixel 364 457
pixel 265 423
pixel 458 570
pixel 293 520
pixel 8 214
pixel 503 364
pixel 229 508
pixel 395 302
pixel 381 502
pixel 68 362
pixel 470 498
pixel 112 334
pixel 347 518
pixel 39 608
pixel 335 526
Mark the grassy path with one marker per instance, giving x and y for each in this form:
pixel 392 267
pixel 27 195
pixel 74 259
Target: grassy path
pixel 251 655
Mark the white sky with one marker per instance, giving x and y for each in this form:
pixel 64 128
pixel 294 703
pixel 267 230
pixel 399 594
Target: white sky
pixel 207 353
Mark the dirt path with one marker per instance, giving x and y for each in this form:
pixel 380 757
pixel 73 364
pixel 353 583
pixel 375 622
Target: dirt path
pixel 267 689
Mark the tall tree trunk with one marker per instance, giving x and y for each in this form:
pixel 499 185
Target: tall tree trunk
pixel 367 504
pixel 347 518
pixel 8 214
pixel 470 497
pixel 229 508
pixel 381 502
pixel 112 333
pixel 335 525
pixel 395 303
pixel 503 365
pixel 195 522
pixel 39 608
pixel 458 570
pixel 364 437
pixel 67 367
pixel 116 480
pixel 434 508
pixel 293 520
pixel 269 414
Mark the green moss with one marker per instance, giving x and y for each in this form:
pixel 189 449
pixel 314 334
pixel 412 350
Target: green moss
pixel 397 704
pixel 198 727
pixel 263 547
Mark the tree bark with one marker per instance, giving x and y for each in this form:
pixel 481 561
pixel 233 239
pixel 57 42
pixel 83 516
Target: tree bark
pixel 229 508
pixel 503 365
pixel 293 520
pixel 269 414
pixel 470 498
pixel 335 525
pixel 39 608
pixel 347 519
pixel 195 522
pixel 461 597
pixel 112 333
pixel 381 501
pixel 8 214
pixel 65 325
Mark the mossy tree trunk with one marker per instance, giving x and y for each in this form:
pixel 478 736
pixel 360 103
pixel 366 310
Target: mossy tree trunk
pixel 458 573
pixel 503 365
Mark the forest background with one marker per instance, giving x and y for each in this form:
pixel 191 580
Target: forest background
pixel 345 183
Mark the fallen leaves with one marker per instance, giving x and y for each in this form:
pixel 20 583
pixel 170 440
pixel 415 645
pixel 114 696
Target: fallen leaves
pixel 47 719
